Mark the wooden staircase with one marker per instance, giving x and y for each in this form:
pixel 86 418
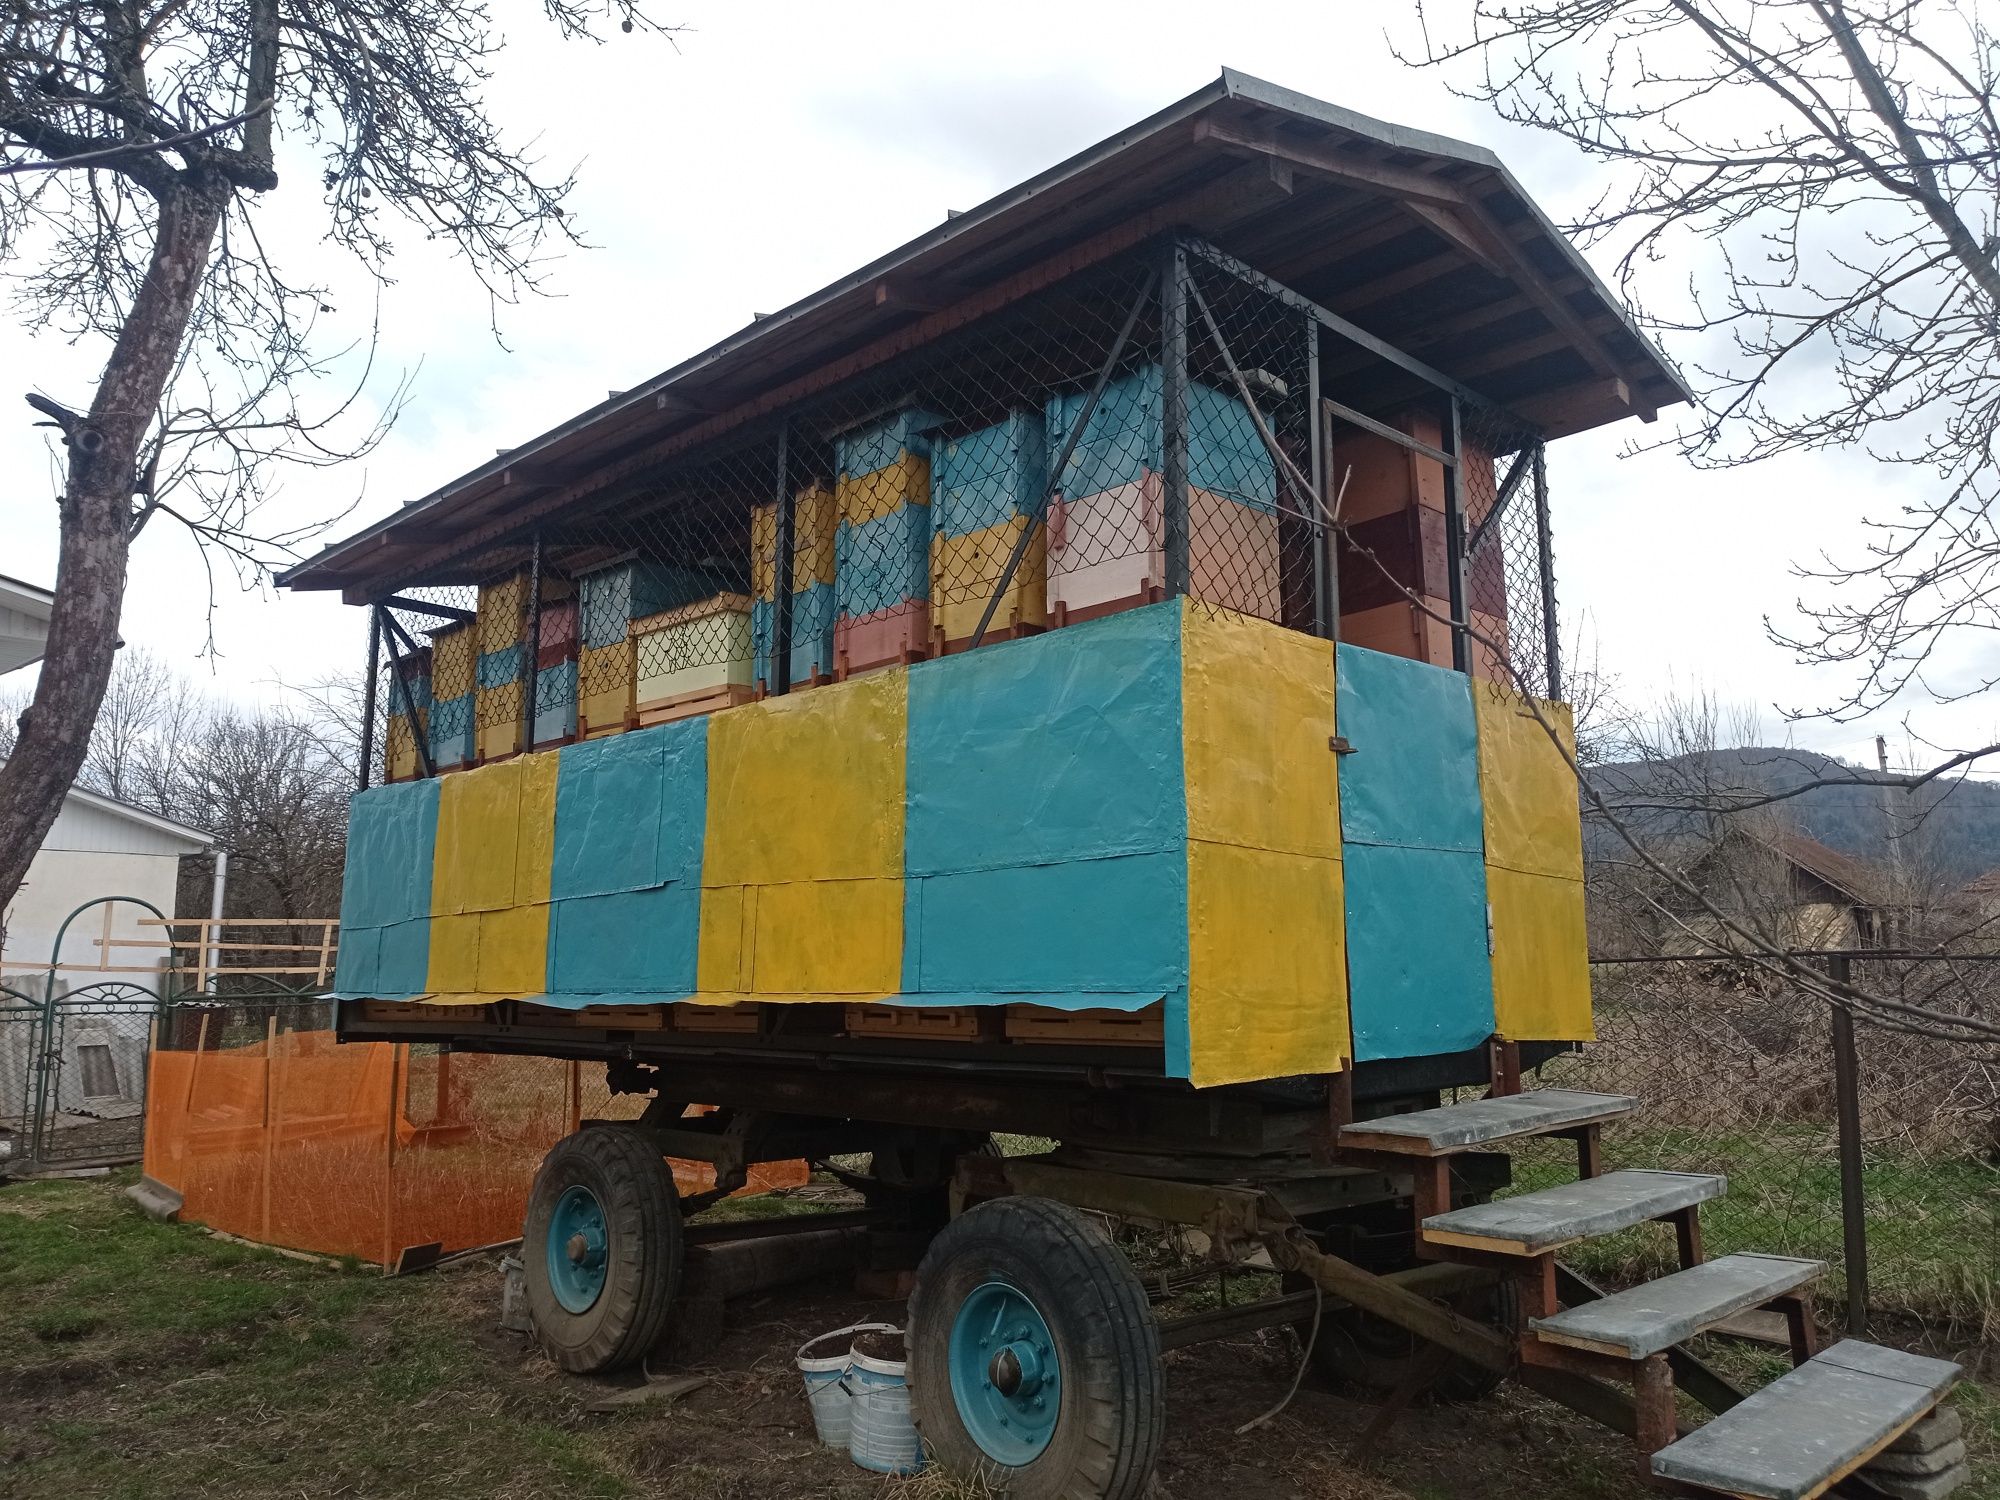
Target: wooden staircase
pixel 1811 1432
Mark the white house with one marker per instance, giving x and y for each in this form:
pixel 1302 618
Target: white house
pixel 98 847
pixel 24 622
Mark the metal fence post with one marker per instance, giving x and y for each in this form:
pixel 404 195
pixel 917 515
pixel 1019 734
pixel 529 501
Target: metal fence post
pixel 1847 1107
pixel 1173 416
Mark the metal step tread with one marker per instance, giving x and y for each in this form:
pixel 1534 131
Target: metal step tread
pixel 1812 1427
pixel 1660 1314
pixel 1480 1122
pixel 1536 1223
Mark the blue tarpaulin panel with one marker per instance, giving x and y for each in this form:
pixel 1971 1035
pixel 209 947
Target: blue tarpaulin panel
pixel 1045 843
pixel 386 888
pixel 642 941
pixel 1091 925
pixel 1065 746
pixel 1419 978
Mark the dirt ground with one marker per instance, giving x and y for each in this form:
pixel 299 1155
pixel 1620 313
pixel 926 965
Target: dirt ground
pixel 147 1360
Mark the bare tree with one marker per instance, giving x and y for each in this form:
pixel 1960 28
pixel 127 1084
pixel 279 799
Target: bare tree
pixel 1823 174
pixel 138 139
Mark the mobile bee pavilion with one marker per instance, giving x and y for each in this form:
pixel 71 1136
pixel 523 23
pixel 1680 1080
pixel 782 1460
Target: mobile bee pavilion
pixel 1090 674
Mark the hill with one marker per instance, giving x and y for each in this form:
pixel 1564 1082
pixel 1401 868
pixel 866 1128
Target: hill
pixel 1951 826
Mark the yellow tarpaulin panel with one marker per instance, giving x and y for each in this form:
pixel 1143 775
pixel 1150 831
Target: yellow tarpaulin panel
pixel 478 817
pixel 1258 712
pixel 1534 869
pixel 1267 989
pixel 728 916
pixel 1267 971
pixel 513 950
pixel 1541 966
pixel 1526 786
pixel 828 937
pixel 534 845
pixel 809 786
pixel 454 960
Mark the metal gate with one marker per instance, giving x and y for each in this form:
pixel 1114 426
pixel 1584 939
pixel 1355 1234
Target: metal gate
pixel 89 1101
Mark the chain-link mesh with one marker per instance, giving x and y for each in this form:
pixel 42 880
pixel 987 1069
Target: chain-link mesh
pixel 1140 430
pixel 1509 567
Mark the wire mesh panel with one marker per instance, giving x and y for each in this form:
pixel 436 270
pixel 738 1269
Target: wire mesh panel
pixel 1142 429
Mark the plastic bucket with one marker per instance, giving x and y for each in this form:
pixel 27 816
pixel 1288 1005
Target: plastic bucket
pixel 882 1436
pixel 826 1390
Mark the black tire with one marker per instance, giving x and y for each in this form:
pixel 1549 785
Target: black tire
pixel 1112 1406
pixel 1368 1355
pixel 621 1166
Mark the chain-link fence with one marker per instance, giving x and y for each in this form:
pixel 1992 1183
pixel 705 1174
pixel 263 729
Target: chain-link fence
pixel 1158 425
pixel 1741 1074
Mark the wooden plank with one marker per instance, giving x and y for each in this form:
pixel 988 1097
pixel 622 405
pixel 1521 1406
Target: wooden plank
pixel 1658 1314
pixel 1538 1223
pixel 1479 1122
pixel 1807 1430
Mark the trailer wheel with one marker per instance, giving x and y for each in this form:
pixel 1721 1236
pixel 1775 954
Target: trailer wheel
pixel 1369 1354
pixel 1034 1357
pixel 602 1248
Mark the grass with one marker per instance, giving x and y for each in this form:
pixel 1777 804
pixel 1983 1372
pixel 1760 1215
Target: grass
pixel 1933 1224
pixel 147 1360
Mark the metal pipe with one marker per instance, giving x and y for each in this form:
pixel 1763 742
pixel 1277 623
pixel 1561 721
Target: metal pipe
pixel 1545 556
pixel 532 682
pixel 368 697
pixel 1847 1109
pixel 213 933
pixel 1325 565
pixel 401 688
pixel 1173 416
pixel 1454 539
pixel 781 569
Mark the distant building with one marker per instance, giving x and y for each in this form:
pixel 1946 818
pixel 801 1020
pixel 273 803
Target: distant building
pixel 98 847
pixel 24 623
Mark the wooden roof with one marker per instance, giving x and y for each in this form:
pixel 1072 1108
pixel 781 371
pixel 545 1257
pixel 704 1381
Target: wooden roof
pixel 1425 242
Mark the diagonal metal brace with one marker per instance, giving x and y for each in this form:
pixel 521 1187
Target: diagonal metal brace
pixel 1035 518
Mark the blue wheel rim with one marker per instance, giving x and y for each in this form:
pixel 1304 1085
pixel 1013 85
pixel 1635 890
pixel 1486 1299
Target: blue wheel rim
pixel 578 1249
pixel 1006 1374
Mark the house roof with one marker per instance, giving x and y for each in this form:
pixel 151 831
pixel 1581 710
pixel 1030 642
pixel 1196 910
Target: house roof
pixel 1853 878
pixel 1423 241
pixel 24 622
pixel 125 811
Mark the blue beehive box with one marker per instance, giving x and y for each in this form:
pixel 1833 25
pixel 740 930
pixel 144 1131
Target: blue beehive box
pixel 610 599
pixel 555 704
pixel 452 730
pixel 812 635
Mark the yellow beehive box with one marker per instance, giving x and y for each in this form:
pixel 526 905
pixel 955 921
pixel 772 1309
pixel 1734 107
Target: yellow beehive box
pixel 813 522
pixel 966 569
pixel 604 684
pixel 454 661
pixel 502 612
pixel 860 498
pixel 497 717
pixel 692 657
pixel 402 746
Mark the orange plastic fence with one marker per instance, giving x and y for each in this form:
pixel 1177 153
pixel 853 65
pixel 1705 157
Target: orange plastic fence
pixel 372 1150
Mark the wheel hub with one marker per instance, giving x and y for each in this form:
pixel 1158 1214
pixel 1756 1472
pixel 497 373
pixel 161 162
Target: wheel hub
pixel 578 1249
pixel 1006 1374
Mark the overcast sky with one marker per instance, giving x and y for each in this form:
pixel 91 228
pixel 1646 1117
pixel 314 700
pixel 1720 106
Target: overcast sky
pixel 771 149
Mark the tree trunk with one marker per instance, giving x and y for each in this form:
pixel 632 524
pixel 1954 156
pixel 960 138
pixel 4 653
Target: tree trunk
pixel 95 539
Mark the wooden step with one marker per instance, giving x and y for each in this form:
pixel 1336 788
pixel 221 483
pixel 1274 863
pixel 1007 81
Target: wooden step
pixel 1809 1429
pixel 1481 1122
pixel 1536 1223
pixel 1672 1310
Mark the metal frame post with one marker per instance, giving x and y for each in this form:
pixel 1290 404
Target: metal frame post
pixel 781 569
pixel 1173 415
pixel 1546 559
pixel 1454 535
pixel 368 697
pixel 1326 567
pixel 1847 1110
pixel 532 682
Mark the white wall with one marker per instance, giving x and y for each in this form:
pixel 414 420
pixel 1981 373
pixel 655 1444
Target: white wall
pixel 91 852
